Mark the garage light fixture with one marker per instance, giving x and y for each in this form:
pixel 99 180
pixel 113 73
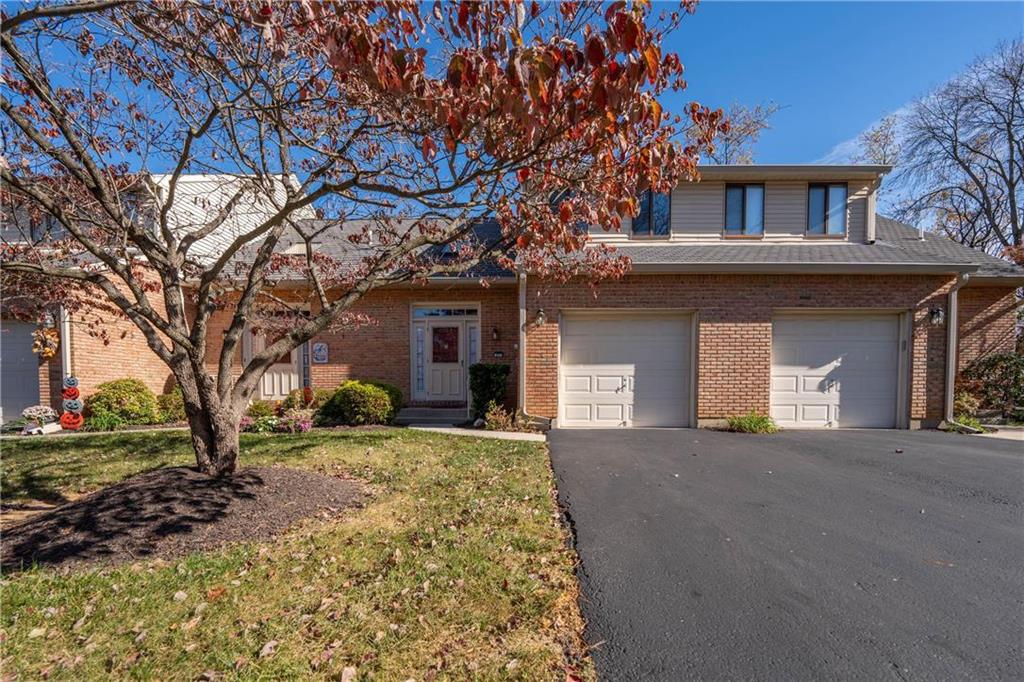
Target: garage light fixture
pixel 541 317
pixel 936 315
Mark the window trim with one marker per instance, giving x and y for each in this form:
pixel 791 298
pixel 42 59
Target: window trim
pixel 846 223
pixel 650 233
pixel 726 234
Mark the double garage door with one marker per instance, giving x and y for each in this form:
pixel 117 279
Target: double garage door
pixel 634 369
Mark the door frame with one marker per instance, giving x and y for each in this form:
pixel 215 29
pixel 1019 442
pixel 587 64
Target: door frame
pixel 466 320
pixel 300 355
pixel 612 313
pixel 904 326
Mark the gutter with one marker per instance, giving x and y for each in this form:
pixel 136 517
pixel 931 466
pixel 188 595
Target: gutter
pixel 952 323
pixel 798 268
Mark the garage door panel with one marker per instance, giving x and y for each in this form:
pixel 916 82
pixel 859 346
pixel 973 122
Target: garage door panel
pixel 636 369
pixel 19 369
pixel 835 370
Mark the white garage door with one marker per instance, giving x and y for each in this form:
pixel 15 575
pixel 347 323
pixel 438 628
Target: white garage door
pixel 19 370
pixel 624 370
pixel 835 370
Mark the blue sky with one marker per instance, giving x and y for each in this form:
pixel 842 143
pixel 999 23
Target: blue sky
pixel 835 67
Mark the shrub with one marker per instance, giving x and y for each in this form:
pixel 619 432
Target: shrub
pixel 752 423
pixel 967 420
pixel 965 404
pixel 129 400
pixel 488 383
pixel 356 403
pixel 307 397
pixel 102 420
pixel 394 395
pixel 1000 380
pixel 264 424
pixel 295 421
pixel 41 414
pixel 261 408
pixel 497 418
pixel 172 406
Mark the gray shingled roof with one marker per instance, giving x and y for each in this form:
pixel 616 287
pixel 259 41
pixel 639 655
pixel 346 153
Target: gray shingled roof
pixel 897 244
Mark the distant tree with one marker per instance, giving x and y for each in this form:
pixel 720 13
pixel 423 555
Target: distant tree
pixel 961 156
pixel 880 144
pixel 414 118
pixel 742 130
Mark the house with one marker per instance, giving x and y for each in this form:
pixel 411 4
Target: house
pixel 120 350
pixel 773 289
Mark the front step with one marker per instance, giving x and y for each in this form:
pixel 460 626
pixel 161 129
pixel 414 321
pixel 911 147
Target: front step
pixel 436 416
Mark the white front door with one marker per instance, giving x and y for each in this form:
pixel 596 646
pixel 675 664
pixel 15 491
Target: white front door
pixel 833 370
pixel 446 360
pixel 624 369
pixel 283 376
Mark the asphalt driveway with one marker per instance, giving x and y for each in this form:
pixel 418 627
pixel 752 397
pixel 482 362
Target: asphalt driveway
pixel 841 554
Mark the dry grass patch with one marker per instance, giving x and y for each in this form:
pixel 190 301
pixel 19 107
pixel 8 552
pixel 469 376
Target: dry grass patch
pixel 457 567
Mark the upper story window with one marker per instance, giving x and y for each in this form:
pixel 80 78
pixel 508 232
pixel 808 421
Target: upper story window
pixel 654 219
pixel 826 210
pixel 744 210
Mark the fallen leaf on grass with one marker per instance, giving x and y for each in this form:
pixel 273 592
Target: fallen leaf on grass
pixel 268 648
pixel 215 593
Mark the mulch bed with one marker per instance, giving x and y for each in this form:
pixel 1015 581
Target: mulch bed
pixel 173 511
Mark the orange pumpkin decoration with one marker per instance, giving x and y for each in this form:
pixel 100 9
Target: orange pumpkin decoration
pixel 70 393
pixel 71 421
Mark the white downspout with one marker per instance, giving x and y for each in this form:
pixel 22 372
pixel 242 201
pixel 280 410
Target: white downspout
pixel 952 324
pixel 872 207
pixel 65 342
pixel 521 383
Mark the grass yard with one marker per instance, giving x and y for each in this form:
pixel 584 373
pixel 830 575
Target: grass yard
pixel 455 568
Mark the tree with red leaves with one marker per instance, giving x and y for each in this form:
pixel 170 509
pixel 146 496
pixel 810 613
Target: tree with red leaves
pixel 412 124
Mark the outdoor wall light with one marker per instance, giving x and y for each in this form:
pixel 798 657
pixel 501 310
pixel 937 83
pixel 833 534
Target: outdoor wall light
pixel 541 317
pixel 494 333
pixel 936 315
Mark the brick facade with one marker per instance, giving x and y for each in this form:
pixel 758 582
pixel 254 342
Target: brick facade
pixel 988 322
pixel 734 338
pixel 381 350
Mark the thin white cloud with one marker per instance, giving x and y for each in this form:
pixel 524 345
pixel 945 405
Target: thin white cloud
pixel 845 151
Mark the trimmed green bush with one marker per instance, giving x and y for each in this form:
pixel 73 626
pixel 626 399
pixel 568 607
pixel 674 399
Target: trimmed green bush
pixel 261 408
pixel 967 420
pixel 394 395
pixel 965 404
pixel 172 406
pixel 127 399
pixel 1000 381
pixel 488 383
pixel 356 403
pixel 752 423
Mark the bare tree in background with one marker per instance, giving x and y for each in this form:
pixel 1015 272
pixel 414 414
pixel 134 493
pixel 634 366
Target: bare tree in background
pixel 744 127
pixel 880 144
pixel 961 156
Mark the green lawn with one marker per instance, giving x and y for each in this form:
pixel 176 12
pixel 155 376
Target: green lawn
pixel 456 568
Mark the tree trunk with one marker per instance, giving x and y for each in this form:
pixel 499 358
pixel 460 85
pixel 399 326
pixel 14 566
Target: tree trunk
pixel 214 424
pixel 215 440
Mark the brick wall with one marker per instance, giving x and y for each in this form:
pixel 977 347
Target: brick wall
pixel 127 355
pixel 381 350
pixel 735 311
pixel 987 322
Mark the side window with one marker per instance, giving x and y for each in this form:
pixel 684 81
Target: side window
pixel 744 210
pixel 826 210
pixel 655 216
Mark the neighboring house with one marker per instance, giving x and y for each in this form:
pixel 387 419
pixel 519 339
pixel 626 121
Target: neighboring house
pixel 773 289
pixel 122 351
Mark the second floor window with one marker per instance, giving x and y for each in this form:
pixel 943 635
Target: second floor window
pixel 655 215
pixel 744 210
pixel 826 210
